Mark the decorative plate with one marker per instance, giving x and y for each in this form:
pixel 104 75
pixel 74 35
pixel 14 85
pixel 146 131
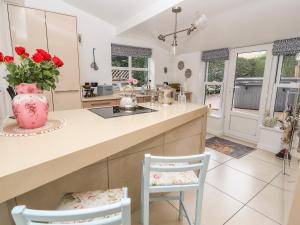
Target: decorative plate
pixel 180 65
pixel 12 129
pixel 188 73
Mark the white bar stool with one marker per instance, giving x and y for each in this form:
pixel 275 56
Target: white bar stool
pixel 111 207
pixel 173 174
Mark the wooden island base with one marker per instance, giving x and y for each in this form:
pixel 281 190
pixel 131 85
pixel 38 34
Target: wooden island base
pixel 118 170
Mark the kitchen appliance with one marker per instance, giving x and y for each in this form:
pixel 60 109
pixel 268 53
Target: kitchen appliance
pixel 103 90
pixel 166 95
pixel 116 111
pixel 128 100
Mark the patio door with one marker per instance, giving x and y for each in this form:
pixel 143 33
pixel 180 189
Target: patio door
pixel 248 81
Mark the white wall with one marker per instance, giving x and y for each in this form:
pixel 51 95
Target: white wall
pixel 98 34
pixel 195 83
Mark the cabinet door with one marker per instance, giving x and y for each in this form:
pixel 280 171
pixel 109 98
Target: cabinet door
pixel 64 100
pixel 28 29
pixel 62 41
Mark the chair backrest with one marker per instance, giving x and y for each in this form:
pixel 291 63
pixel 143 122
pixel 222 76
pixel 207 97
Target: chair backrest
pixel 197 162
pixel 113 214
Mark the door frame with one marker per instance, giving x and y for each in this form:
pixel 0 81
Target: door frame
pixel 264 93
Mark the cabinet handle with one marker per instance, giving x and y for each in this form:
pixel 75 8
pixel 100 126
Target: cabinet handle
pixel 100 104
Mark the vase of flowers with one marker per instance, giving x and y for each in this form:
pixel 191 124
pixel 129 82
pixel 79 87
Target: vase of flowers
pixel 30 76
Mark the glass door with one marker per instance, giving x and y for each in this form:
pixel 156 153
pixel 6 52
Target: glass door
pixel 249 73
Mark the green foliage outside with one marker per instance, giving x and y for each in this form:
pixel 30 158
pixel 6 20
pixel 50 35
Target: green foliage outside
pixel 141 76
pixel 139 62
pixel 216 70
pixel 288 66
pixel 250 67
pixel 119 61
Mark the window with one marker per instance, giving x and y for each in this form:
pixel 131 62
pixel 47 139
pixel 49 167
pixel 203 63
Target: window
pixel 128 67
pixel 214 82
pixel 286 82
pixel 248 83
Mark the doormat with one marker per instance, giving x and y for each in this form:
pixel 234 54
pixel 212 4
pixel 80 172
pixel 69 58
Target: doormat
pixel 227 147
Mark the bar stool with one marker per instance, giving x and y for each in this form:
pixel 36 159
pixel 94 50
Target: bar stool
pixel 89 208
pixel 173 174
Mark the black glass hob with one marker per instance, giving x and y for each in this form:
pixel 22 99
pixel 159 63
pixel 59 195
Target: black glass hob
pixel 116 111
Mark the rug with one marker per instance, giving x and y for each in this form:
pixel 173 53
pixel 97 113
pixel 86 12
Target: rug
pixel 227 147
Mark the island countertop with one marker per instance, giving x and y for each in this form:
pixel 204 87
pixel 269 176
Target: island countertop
pixel 29 162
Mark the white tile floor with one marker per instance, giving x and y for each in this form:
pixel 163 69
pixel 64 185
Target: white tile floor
pixel 246 191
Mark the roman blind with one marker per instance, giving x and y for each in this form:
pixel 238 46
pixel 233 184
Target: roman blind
pixel 286 46
pixel 222 53
pixel 125 50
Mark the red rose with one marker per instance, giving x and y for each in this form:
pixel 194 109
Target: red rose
pixel 20 50
pixel 8 59
pixel 1 57
pixel 57 61
pixel 37 57
pixel 25 55
pixel 45 54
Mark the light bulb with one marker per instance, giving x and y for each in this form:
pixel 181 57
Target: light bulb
pixel 174 50
pixel 201 22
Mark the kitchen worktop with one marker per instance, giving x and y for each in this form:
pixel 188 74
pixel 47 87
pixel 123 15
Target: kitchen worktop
pixel 29 162
pixel 115 96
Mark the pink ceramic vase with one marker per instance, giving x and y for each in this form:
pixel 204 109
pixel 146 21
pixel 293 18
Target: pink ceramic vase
pixel 30 106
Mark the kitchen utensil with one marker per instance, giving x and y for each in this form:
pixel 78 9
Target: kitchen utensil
pixel 94 64
pixel 128 100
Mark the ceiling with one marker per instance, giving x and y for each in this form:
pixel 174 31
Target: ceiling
pixel 114 12
pixel 232 23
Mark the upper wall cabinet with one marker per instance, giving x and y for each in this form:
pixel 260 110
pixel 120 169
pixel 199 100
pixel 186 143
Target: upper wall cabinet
pixel 27 28
pixel 62 40
pixel 56 33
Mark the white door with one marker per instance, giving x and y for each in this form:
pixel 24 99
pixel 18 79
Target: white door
pixel 249 74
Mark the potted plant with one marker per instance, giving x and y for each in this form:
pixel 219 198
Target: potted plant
pixel 30 76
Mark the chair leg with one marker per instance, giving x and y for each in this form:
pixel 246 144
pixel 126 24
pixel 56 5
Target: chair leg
pixel 181 199
pixel 146 209
pixel 198 207
pixel 142 199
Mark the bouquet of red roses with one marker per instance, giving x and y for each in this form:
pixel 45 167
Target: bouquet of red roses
pixel 40 69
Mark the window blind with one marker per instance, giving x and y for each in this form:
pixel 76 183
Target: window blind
pixel 125 50
pixel 222 53
pixel 286 46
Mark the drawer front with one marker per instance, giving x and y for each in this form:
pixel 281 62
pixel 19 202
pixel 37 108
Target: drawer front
pixel 101 103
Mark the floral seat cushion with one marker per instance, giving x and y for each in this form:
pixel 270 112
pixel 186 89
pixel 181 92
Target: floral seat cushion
pixel 90 199
pixel 172 178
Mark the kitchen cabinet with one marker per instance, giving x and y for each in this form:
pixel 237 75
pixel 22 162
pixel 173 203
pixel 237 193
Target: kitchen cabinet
pixel 57 33
pixel 101 103
pixel 24 23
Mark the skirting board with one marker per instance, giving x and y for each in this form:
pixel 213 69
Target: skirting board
pixel 268 148
pixel 216 133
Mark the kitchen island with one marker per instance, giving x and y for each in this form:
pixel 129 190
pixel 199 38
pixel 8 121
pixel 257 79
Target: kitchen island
pixel 90 152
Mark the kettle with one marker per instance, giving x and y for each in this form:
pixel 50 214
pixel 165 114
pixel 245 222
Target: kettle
pixel 128 100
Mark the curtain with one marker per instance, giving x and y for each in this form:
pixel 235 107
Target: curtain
pixel 125 50
pixel 222 53
pixel 286 47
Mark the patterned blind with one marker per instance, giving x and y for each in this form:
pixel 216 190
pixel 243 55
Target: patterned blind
pixel 222 53
pixel 125 50
pixel 286 47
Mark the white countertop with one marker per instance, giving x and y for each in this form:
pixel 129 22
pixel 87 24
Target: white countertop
pixel 29 162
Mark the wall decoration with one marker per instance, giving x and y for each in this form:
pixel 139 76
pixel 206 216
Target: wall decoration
pixel 165 69
pixel 188 73
pixel 180 65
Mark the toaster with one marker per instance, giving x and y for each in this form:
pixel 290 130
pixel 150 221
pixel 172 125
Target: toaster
pixel 103 90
